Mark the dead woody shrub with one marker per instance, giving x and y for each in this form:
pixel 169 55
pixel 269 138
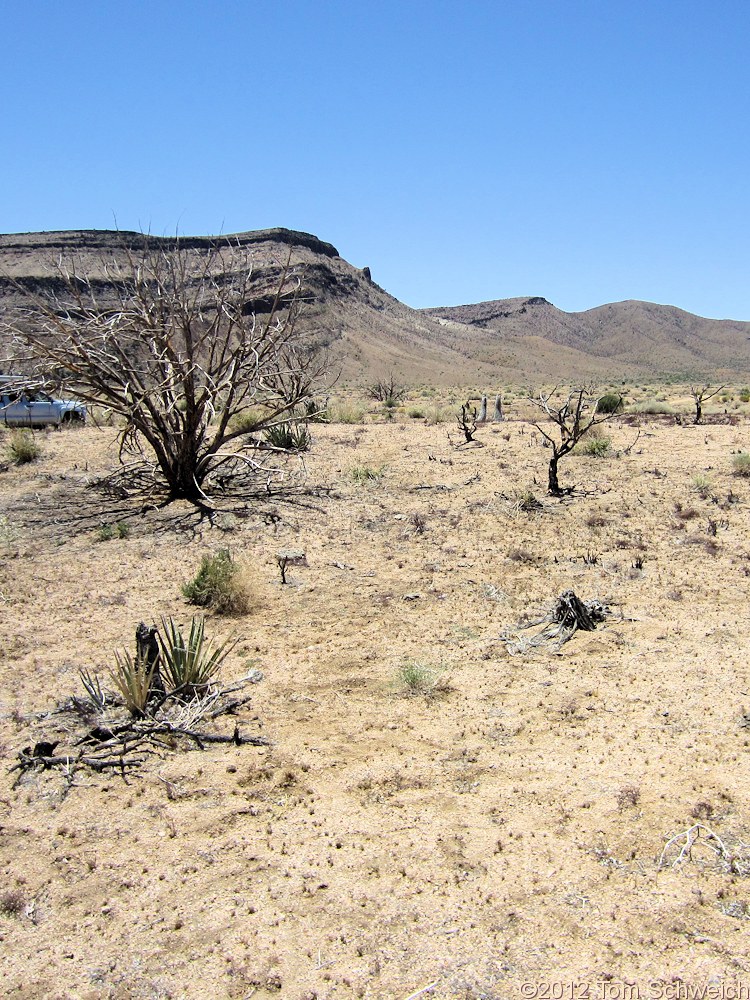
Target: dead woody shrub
pixel 166 338
pixel 572 416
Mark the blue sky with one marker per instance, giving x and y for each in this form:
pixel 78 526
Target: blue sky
pixel 584 151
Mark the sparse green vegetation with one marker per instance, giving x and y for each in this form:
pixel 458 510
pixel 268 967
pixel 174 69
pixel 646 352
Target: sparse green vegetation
pixel 741 464
pixel 248 420
pixel 438 414
pixel 703 486
pixel 106 532
pixel 366 474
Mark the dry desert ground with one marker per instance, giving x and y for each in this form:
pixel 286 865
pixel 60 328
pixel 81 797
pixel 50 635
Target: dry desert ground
pixel 501 828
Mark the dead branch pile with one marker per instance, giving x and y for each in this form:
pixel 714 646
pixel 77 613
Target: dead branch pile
pixel 101 738
pixel 567 616
pixel 679 849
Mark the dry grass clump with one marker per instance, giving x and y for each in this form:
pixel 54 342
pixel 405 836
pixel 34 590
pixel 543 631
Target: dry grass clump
pixel 413 678
pixel 652 406
pixel 218 585
pixel 342 412
pixel 741 464
pixel 366 474
pixel 23 447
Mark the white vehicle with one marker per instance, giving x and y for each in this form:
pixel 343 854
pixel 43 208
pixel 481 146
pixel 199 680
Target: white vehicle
pixel 23 406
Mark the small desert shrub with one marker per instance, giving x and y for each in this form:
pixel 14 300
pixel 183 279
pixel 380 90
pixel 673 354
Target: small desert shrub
pixel 23 447
pixel 316 412
pixel 217 585
pixel 627 796
pixel 366 474
pixel 248 420
pixel 289 437
pixel 745 394
pixel 414 678
pixel 594 447
pixel 521 556
pixel 741 464
pixel 12 903
pixel 685 513
pixel 610 402
pixel 418 523
pixel 346 413
pixel 703 486
pixel 106 532
pixel 416 413
pixel 526 501
pixel 597 521
pixel 702 810
pixel 439 414
pixel 190 663
pixel 387 391
pixel 652 406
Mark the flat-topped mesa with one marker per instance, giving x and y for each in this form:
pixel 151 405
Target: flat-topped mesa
pixel 104 239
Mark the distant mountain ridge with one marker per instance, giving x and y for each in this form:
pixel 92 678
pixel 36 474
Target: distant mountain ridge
pixel 369 332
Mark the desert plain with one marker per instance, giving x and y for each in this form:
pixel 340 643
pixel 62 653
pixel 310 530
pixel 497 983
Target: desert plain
pixel 437 811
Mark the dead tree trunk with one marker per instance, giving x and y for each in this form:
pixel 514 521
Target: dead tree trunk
pixel 147 655
pixel 553 484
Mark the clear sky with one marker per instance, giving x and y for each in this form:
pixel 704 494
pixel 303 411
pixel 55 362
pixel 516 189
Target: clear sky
pixel 584 151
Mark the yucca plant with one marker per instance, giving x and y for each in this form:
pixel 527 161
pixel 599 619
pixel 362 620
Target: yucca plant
pixel 289 437
pixel 190 664
pixel 133 678
pixel 93 688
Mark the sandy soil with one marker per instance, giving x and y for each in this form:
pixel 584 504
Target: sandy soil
pixel 504 830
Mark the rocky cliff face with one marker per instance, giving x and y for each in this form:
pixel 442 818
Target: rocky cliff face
pixel 369 333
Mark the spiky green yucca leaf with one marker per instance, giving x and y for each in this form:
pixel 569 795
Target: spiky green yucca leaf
pixel 191 662
pixel 93 688
pixel 133 678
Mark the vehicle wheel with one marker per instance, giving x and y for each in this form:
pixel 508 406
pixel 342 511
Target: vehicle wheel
pixel 72 420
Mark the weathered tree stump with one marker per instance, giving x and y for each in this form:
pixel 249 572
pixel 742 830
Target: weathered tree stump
pixel 147 655
pixel 571 612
